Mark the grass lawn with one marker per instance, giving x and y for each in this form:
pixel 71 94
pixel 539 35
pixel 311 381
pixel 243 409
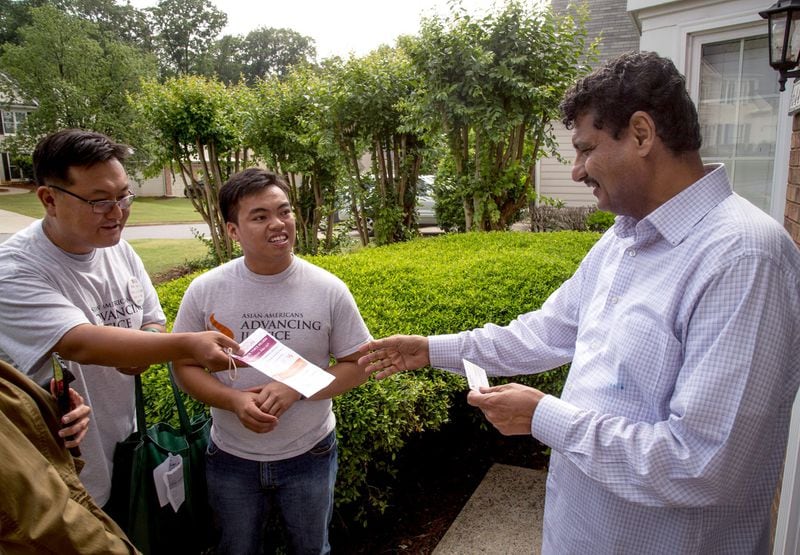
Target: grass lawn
pixel 146 210
pixel 162 255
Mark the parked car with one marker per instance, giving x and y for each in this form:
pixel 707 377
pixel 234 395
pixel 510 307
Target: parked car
pixel 426 206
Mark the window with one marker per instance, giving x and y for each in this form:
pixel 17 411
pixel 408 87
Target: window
pixel 13 121
pixel 14 169
pixel 738 106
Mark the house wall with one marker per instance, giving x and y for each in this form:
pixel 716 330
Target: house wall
pixel 608 20
pixel 158 186
pixel 792 214
pixel 677 29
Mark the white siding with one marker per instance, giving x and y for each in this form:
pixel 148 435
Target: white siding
pixel 154 186
pixel 556 178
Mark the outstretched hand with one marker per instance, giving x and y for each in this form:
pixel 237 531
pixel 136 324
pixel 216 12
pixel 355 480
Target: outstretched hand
pixel 393 354
pixel 211 350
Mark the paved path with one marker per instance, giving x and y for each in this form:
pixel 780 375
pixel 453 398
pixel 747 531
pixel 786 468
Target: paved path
pixel 11 222
pixel 503 515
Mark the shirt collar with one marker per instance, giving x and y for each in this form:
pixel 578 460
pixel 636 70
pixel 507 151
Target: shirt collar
pixel 674 219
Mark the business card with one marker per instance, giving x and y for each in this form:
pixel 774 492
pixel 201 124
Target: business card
pixel 476 376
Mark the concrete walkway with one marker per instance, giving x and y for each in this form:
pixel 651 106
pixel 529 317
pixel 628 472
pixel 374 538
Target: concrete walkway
pixel 503 516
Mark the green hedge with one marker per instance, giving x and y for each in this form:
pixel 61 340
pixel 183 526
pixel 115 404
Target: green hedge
pixel 427 286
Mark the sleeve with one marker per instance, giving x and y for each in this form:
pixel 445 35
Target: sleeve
pixel 46 519
pixel 152 311
pixel 34 315
pixel 726 416
pixel 189 317
pixel 348 331
pixel 534 342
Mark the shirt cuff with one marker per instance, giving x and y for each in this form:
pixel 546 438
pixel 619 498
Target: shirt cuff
pixel 551 420
pixel 444 352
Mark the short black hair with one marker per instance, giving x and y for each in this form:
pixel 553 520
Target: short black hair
pixel 243 184
pixel 636 81
pixel 55 154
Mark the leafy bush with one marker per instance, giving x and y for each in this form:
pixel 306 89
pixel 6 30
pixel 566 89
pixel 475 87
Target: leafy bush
pixel 449 206
pixel 599 220
pixel 437 285
pixel 557 217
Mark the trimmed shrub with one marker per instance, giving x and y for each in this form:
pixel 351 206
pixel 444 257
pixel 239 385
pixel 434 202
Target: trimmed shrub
pixel 443 284
pixel 600 220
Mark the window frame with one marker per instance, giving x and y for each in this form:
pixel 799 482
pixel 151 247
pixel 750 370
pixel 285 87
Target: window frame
pixel 696 41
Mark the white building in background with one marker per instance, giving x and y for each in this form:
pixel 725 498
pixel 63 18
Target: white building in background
pixel 721 47
pixel 14 109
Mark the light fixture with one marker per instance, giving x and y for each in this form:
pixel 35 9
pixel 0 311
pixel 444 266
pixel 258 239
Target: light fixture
pixel 784 38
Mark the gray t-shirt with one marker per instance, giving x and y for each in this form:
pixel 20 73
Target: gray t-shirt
pixel 306 308
pixel 45 293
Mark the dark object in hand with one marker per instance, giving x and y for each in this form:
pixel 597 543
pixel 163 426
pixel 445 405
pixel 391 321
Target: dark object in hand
pixel 63 377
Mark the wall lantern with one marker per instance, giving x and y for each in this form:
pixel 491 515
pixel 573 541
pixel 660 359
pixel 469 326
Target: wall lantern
pixel 784 38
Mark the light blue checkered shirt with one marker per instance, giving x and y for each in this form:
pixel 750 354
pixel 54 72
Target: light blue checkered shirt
pixel 683 333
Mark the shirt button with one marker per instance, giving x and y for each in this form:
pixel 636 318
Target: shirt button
pixel 595 345
pixel 631 252
pixel 614 299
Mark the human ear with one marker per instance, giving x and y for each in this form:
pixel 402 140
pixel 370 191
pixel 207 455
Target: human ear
pixel 232 231
pixel 643 130
pixel 45 195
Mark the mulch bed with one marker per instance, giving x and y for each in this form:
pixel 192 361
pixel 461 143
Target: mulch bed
pixel 437 474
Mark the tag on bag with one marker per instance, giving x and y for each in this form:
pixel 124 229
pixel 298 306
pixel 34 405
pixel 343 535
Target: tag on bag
pixel 168 477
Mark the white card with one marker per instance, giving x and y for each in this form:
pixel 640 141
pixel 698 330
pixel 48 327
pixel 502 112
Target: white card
pixel 476 376
pixel 176 491
pixel 271 357
pixel 168 477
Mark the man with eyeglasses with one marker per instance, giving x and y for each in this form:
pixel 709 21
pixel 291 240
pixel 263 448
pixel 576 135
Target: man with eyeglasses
pixel 71 285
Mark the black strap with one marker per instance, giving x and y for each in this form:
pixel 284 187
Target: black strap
pixel 141 419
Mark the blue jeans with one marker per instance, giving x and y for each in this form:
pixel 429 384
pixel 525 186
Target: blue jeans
pixel 242 492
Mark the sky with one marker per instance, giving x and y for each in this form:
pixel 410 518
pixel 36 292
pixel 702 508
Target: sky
pixel 338 27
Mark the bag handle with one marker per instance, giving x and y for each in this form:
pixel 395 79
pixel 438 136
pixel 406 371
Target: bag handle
pixel 183 416
pixel 141 419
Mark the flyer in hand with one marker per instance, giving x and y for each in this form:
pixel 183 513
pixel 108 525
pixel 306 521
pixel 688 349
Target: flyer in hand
pixel 271 357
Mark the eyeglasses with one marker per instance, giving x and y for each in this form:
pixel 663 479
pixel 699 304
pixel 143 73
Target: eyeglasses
pixel 101 206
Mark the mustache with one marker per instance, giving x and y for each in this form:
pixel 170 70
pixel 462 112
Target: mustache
pixel 589 182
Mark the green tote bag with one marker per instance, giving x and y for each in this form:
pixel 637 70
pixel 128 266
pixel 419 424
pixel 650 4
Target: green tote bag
pixel 134 500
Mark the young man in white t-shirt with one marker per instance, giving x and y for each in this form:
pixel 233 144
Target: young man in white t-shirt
pixel 270 448
pixel 70 284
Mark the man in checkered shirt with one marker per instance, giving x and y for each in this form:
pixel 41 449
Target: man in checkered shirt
pixel 682 329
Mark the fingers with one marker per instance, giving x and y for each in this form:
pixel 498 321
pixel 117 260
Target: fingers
pixel 275 398
pixel 375 344
pixel 393 354
pixel 272 405
pixel 475 398
pixel 387 371
pixel 258 421
pixel 227 343
pixel 213 350
pixel 251 416
pixel 509 407
pixel 76 421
